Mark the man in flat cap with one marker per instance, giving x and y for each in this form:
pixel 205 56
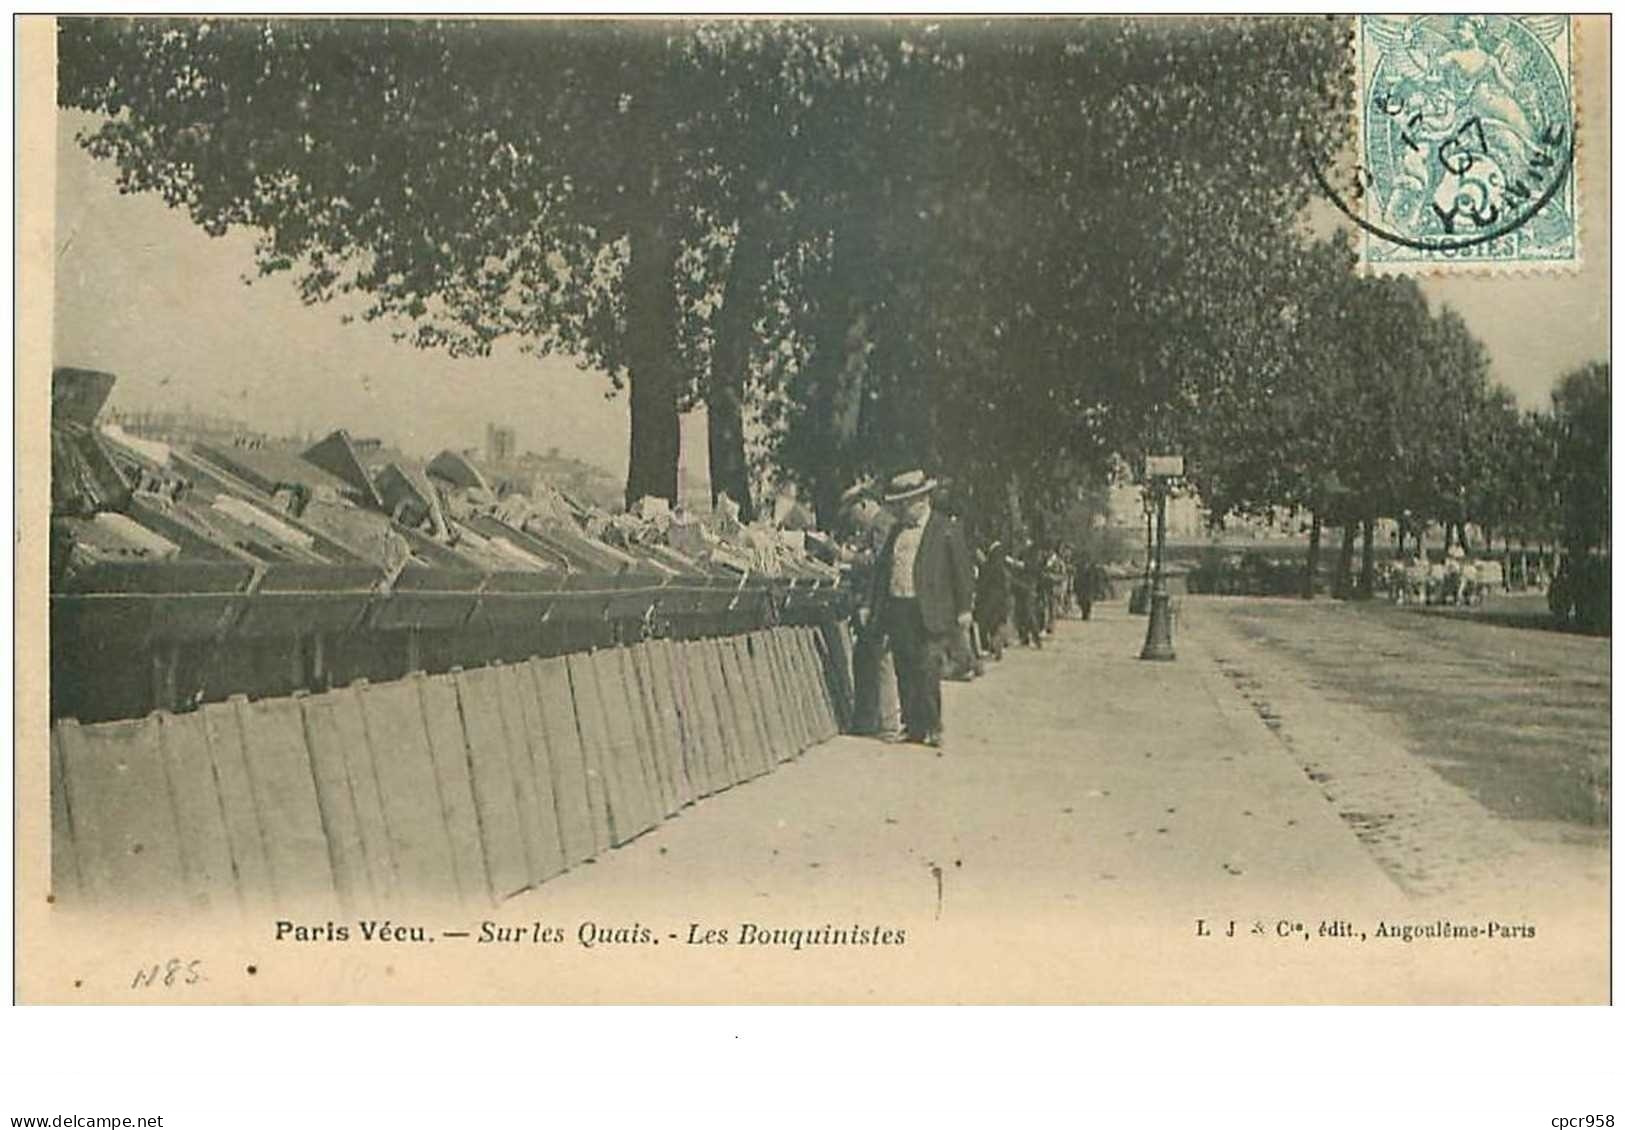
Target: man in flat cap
pixel 923 588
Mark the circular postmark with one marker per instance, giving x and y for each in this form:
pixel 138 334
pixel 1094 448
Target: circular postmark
pixel 1466 139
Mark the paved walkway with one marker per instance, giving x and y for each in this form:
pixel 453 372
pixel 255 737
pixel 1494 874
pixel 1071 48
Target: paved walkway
pixel 1070 774
pixel 1088 809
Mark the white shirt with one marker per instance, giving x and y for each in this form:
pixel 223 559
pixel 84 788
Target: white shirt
pixel 902 562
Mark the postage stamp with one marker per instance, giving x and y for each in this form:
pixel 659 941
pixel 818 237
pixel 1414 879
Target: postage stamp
pixel 1467 140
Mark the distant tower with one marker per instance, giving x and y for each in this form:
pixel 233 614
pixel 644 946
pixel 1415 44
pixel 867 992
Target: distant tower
pixel 500 445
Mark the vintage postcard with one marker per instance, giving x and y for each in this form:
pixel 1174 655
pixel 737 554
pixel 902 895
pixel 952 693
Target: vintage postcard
pixel 801 510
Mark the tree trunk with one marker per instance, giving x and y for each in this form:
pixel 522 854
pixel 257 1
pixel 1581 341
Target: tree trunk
pixel 730 365
pixel 834 390
pixel 1368 557
pixel 1313 564
pixel 1015 527
pixel 651 347
pixel 725 435
pixel 1345 563
pixel 826 500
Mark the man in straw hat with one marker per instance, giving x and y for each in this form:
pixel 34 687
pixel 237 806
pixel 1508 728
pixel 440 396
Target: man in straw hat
pixel 922 595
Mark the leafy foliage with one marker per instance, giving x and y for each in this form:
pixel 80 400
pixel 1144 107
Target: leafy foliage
pixel 891 240
pixel 1580 424
pixel 1021 253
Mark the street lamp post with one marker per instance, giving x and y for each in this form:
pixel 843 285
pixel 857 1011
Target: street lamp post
pixel 1140 599
pixel 1159 631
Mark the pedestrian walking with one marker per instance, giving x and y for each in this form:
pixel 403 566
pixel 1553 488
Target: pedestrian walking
pixel 1053 590
pixel 1066 583
pixel 1083 587
pixel 875 710
pixel 962 661
pixel 923 594
pixel 1026 590
pixel 992 604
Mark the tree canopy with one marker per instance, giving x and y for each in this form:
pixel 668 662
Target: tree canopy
pixel 1579 424
pixel 1019 252
pixel 888 240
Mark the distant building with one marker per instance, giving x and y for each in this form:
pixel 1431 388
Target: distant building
pixel 501 444
pixel 583 481
pixel 182 427
pixel 1186 518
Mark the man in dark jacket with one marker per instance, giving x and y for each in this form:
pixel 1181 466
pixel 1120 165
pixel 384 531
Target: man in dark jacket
pixel 923 590
pixel 1083 586
pixel 1026 587
pixel 875 708
pixel 993 598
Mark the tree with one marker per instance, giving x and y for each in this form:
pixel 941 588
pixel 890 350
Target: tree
pixel 1580 415
pixel 1278 435
pixel 780 107
pixel 1385 437
pixel 1357 403
pixel 1492 499
pixel 475 179
pixel 1010 250
pixel 1536 511
pixel 1581 590
pixel 1066 218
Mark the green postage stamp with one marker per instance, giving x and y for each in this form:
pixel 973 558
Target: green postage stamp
pixel 1467 137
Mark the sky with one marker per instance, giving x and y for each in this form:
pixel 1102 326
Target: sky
pixel 1540 326
pixel 143 293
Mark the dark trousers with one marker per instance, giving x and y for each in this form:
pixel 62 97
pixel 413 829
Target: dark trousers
pixel 918 655
pixel 1029 619
pixel 963 661
pixel 991 632
pixel 875 708
pixel 1085 603
pixel 866 651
